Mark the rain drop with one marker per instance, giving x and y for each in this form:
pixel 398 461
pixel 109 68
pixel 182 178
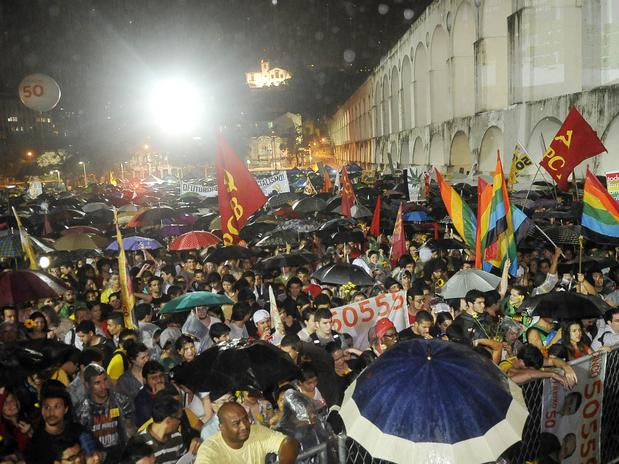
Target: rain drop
pixel 383 9
pixel 408 14
pixel 349 56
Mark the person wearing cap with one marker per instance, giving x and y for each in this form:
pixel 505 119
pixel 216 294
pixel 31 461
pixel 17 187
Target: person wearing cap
pixel 262 321
pixel 107 414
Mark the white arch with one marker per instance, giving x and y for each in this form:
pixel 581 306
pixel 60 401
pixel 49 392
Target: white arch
pixel 378 125
pixel 545 128
pixel 460 158
pixel 437 151
pixel 386 124
pixel 419 155
pixel 463 62
pixel 439 88
pixel 395 100
pixel 421 86
pixel 407 82
pixel 405 155
pixel 491 143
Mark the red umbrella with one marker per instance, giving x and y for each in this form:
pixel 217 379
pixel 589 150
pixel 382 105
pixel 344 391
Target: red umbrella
pixel 194 240
pixel 81 230
pixel 151 216
pixel 17 287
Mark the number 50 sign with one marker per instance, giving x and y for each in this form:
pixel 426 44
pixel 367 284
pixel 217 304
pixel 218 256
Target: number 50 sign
pixel 39 92
pixel 356 319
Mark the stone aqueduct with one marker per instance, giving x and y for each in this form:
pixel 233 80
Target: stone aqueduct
pixel 471 77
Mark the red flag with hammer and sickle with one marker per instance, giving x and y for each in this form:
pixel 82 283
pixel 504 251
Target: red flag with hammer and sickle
pixel 239 194
pixel 575 142
pixel 348 194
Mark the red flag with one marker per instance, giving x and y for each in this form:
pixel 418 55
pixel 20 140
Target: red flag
pixel 348 194
pixel 239 194
pixel 575 142
pixel 398 240
pixel 375 226
pixel 327 185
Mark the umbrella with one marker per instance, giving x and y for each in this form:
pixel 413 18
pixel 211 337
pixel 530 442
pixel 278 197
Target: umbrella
pixel 151 216
pixel 231 367
pixel 286 259
pixel 338 223
pixel 172 229
pixel 446 244
pixel 300 225
pixel 128 208
pixel 80 230
pixel 589 264
pixel 279 238
pixel 135 244
pixel 17 287
pixel 193 300
pixel 345 236
pixel 564 306
pixel 417 216
pixel 340 274
pixel 101 217
pixel 92 207
pixel 567 235
pixel 281 199
pixel 224 253
pixel 10 246
pixel 309 205
pixel 256 230
pixel 469 279
pixel 194 240
pixel 357 211
pixel 451 406
pixel 80 242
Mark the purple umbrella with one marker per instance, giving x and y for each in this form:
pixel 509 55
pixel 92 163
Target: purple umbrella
pixel 172 229
pixel 17 287
pixel 135 244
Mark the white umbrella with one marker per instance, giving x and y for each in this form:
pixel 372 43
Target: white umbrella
pixel 96 206
pixel 469 279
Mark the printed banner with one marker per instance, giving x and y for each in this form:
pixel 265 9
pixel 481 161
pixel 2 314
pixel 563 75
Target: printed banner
pixel 202 190
pixel 574 417
pixel 415 177
pixel 356 319
pixel 520 161
pixel 612 184
pixel 277 182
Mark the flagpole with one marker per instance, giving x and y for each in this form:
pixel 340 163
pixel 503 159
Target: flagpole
pixel 575 184
pixel 581 243
pixel 539 166
pixel 548 238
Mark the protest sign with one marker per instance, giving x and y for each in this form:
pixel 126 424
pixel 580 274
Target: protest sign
pixel 275 183
pixel 356 319
pixel 202 190
pixel 415 178
pixel 612 184
pixel 574 417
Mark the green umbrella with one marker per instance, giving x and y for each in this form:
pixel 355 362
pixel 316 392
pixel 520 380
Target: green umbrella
pixel 193 300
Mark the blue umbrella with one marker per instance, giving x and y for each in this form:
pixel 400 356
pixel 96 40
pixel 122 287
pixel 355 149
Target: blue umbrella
pixel 417 216
pixel 352 167
pixel 434 401
pixel 135 244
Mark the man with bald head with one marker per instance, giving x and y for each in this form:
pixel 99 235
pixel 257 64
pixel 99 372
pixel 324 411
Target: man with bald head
pixel 239 442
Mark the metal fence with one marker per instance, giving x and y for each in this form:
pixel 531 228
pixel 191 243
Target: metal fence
pixel 350 452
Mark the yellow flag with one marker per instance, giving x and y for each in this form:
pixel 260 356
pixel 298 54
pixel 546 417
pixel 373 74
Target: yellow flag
pixel 112 178
pixel 26 244
pixel 126 290
pixel 520 161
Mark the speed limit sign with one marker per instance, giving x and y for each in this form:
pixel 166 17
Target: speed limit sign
pixel 39 92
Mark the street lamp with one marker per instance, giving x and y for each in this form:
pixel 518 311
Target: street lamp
pixel 29 154
pixel 57 171
pixel 85 177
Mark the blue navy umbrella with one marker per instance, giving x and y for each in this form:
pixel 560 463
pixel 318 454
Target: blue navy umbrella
pixel 135 244
pixel 417 216
pixel 434 401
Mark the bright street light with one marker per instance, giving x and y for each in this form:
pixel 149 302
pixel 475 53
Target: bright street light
pixel 175 106
pixel 29 154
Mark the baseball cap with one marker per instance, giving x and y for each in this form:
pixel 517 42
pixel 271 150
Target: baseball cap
pixel 261 315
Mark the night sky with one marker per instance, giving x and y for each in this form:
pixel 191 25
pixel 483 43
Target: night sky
pixel 106 53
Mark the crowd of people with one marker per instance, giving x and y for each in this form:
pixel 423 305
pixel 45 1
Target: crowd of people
pixel 115 398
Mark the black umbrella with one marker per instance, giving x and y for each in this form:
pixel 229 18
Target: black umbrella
pixel 225 369
pixel 279 238
pixel 286 259
pixel 563 306
pixel 346 236
pixel 337 224
pixel 589 264
pixel 340 274
pixel 256 230
pixel 565 235
pixel 221 254
pixel 309 205
pixel 282 199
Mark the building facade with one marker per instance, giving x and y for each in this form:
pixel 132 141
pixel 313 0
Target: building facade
pixel 473 77
pixel 267 76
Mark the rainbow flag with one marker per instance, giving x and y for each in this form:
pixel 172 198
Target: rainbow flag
pixel 600 213
pixel 500 242
pixel 484 202
pixel 462 216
